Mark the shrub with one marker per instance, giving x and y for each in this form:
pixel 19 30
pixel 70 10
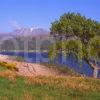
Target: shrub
pixel 9 65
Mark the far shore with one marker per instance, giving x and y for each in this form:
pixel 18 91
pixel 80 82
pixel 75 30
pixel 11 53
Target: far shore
pixel 38 51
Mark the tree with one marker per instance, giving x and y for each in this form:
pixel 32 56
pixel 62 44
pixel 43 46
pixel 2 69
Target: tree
pixel 81 37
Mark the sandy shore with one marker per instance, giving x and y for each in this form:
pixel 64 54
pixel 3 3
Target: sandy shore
pixel 29 69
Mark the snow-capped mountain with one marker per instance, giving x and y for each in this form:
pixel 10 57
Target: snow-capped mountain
pixel 30 32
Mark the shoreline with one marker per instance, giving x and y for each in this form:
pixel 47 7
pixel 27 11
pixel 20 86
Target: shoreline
pixel 29 69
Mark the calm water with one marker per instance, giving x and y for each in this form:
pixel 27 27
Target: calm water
pixel 68 62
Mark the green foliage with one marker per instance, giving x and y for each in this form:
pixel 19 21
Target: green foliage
pixel 72 24
pixel 81 36
pixel 67 47
pixel 94 48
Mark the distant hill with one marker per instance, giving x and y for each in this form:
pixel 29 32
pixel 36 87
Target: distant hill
pixel 25 38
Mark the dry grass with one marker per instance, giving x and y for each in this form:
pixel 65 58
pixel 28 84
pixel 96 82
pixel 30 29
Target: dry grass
pixel 79 83
pixel 8 74
pixel 65 86
pixel 28 96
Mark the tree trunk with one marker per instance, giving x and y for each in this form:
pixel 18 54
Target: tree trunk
pixel 95 68
pixel 95 73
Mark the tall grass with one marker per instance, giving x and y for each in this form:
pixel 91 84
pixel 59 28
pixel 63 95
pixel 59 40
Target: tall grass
pixel 48 88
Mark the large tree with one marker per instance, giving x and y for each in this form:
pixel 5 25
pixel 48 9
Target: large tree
pixel 77 35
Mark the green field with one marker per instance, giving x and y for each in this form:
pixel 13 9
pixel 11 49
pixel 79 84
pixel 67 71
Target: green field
pixel 39 88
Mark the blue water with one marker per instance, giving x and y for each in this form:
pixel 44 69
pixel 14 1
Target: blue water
pixel 70 61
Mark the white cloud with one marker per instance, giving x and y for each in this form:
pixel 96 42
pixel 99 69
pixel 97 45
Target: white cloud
pixel 34 27
pixel 15 24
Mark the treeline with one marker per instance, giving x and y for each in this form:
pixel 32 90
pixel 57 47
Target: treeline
pixel 25 43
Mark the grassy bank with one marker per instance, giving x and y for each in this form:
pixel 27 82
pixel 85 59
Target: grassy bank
pixel 61 69
pixel 13 87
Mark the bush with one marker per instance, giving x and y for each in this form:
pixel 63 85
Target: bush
pixel 9 65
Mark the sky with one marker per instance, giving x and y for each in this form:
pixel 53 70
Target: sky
pixel 40 13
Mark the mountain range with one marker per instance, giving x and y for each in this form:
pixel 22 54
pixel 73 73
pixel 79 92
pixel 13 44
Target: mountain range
pixel 34 36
